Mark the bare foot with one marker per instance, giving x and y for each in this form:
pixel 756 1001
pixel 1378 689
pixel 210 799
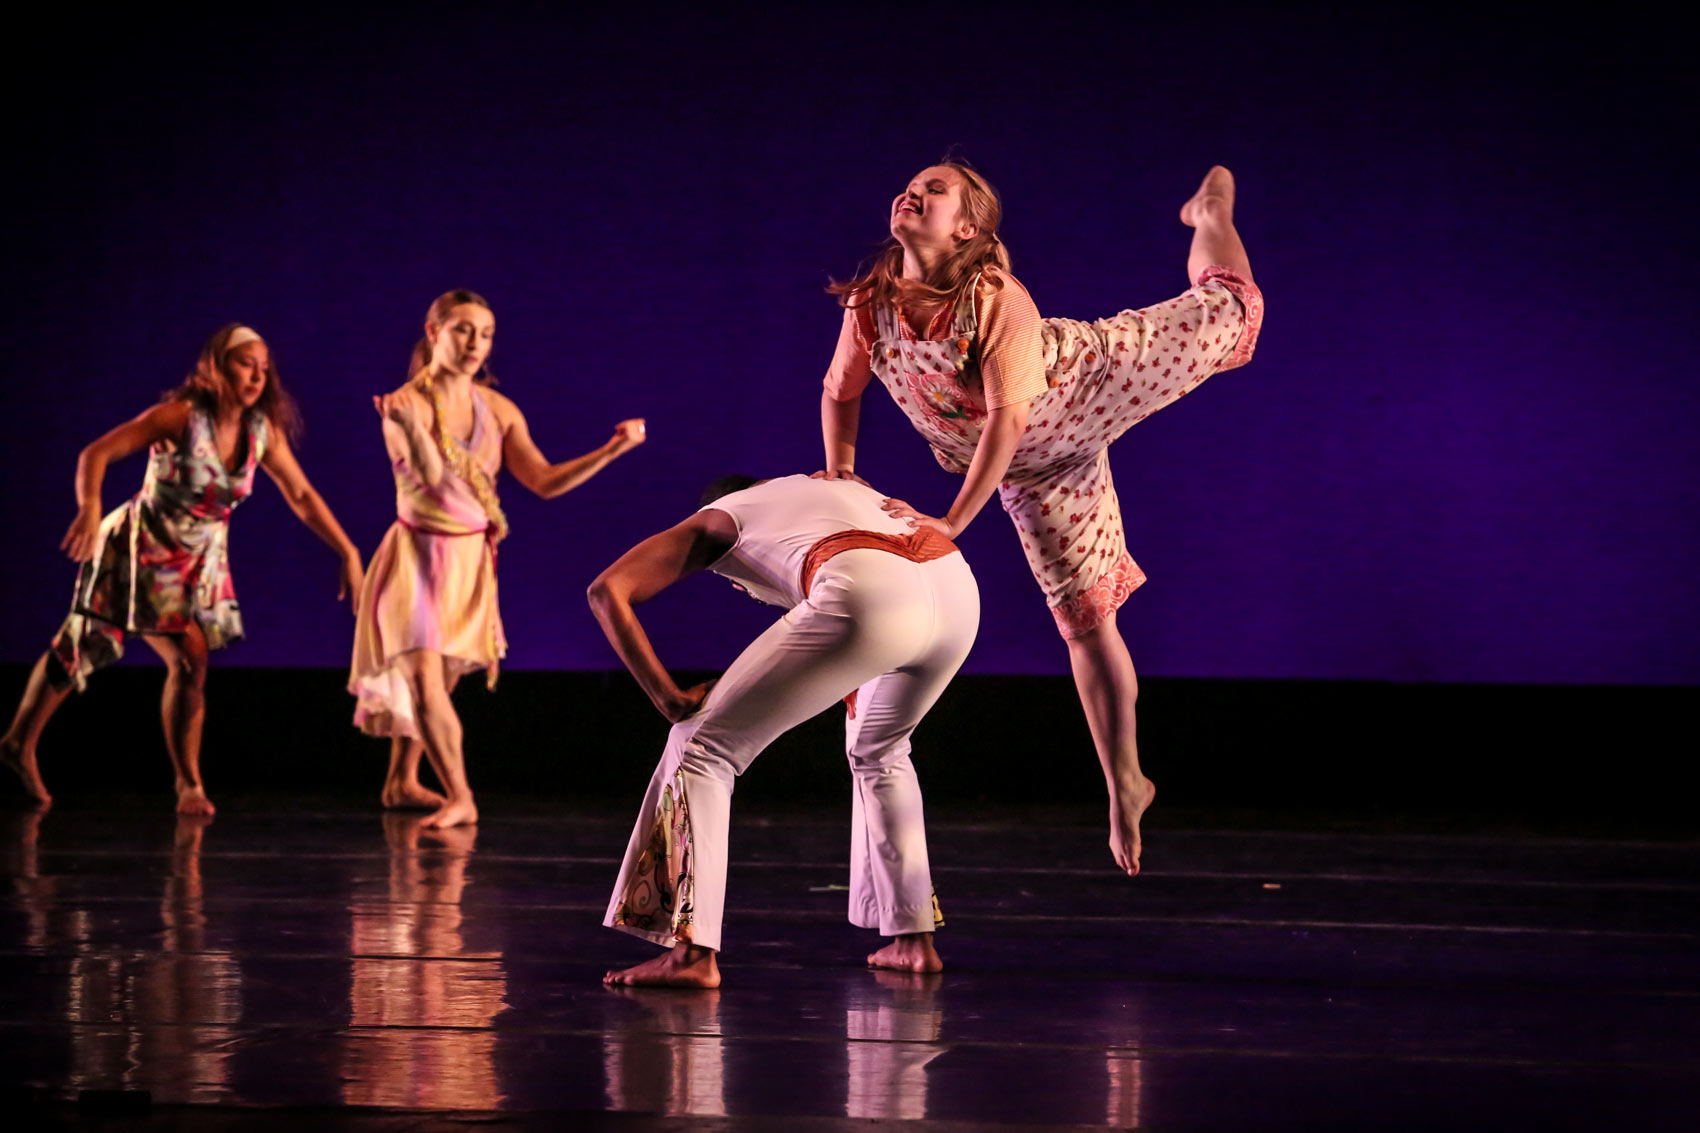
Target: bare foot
pixel 193 800
pixel 1213 201
pixel 412 796
pixel 912 952
pixel 685 965
pixel 454 812
pixel 22 764
pixel 457 839
pixel 1125 811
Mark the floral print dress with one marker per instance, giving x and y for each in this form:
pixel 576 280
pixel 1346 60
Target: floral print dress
pixel 163 560
pixel 1102 377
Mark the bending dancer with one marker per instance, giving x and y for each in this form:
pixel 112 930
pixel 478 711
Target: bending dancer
pixel 1029 407
pixel 158 566
pixel 878 614
pixel 428 612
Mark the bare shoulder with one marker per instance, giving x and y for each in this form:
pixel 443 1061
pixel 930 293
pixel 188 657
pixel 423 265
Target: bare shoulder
pixel 501 405
pixel 172 415
pixel 507 414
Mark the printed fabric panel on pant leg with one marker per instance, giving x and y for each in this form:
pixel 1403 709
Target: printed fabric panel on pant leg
pixel 658 898
pixel 1070 525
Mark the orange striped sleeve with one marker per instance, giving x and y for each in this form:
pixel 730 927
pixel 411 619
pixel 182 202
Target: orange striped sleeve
pixel 849 373
pixel 1012 353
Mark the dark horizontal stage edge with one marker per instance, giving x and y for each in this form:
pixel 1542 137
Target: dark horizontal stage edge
pixel 1572 759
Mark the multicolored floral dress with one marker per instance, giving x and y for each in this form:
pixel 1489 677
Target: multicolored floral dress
pixel 1101 378
pixel 163 560
pixel 431 585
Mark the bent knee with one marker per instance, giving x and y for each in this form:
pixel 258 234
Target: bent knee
pixel 190 666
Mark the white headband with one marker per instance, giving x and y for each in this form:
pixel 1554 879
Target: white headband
pixel 239 336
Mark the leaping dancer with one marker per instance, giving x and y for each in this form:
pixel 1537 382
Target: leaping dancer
pixel 1028 407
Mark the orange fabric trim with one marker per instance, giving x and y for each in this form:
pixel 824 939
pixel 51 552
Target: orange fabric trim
pixel 921 546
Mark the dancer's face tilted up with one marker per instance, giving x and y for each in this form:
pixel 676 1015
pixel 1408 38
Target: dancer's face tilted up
pixel 928 213
pixel 461 343
pixel 245 370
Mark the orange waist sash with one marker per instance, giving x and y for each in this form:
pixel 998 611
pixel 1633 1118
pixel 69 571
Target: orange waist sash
pixel 920 546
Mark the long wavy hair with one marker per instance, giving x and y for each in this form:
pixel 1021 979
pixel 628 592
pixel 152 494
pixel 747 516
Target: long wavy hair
pixel 436 313
pixel 879 281
pixel 209 379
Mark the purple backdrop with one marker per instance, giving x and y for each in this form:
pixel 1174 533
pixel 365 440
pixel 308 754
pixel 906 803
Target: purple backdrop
pixel 1465 451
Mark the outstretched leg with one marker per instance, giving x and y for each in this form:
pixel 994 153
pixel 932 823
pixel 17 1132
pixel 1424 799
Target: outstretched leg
pixel 402 788
pixel 423 671
pixel 1108 687
pixel 1210 215
pixel 183 712
pixel 42 696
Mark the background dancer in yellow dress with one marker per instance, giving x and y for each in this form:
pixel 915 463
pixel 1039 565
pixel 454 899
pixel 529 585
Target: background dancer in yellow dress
pixel 428 613
pixel 159 565
pixel 1028 407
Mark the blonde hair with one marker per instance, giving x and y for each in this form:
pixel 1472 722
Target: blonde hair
pixel 879 281
pixel 436 313
pixel 209 378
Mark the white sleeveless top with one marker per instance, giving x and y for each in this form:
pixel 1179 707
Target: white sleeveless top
pixel 780 521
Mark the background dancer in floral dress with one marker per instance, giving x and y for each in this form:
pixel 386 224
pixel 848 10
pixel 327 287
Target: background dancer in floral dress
pixel 1029 407
pixel 158 566
pixel 428 612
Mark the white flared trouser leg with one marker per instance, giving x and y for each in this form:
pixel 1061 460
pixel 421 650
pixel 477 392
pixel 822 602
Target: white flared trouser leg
pixel 891 883
pixel 869 613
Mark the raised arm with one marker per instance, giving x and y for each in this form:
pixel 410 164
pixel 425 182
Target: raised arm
pixel 406 436
pixel 531 468
pixel 640 574
pixel 310 508
pixel 170 419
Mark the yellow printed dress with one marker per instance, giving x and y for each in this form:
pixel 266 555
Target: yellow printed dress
pixel 431 585
pixel 163 561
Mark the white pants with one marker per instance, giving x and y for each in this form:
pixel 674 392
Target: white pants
pixel 875 622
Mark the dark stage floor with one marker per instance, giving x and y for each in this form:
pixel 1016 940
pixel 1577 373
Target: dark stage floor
pixel 353 971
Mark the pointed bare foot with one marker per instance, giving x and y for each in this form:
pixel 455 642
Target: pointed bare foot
pixel 455 812
pixel 412 796
pixel 1213 201
pixel 22 764
pixel 1125 812
pixel 193 800
pixel 911 952
pixel 684 965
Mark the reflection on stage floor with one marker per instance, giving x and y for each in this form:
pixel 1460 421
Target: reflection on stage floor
pixel 318 956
